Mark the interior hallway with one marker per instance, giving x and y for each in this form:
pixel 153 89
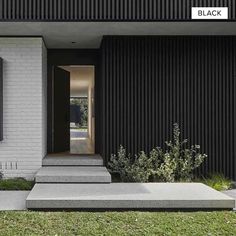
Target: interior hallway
pixel 80 142
pixel 82 117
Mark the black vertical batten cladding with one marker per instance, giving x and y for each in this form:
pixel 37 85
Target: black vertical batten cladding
pixel 106 10
pixel 149 83
pixel 1 99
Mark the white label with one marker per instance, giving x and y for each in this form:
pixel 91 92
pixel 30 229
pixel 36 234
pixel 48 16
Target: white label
pixel 209 13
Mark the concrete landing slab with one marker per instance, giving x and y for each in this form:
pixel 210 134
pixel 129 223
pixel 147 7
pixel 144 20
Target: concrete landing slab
pixel 231 193
pixel 72 160
pixel 13 200
pixel 75 174
pixel 127 196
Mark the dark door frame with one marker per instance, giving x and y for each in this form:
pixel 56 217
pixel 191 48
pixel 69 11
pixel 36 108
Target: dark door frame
pixel 60 125
pixel 66 57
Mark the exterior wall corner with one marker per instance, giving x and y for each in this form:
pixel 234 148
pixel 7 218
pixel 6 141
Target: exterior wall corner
pixel 24 106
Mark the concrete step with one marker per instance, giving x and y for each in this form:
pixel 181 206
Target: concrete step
pixel 127 196
pixel 72 160
pixel 73 174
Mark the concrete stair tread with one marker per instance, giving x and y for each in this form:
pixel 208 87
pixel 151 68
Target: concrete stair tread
pixel 73 160
pixel 127 196
pixel 73 174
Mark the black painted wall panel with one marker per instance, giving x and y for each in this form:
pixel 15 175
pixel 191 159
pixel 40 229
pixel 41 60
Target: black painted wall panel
pixel 149 83
pixel 106 10
pixel 1 99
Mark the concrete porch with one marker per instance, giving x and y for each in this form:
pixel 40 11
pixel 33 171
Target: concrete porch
pixel 82 182
pixel 130 196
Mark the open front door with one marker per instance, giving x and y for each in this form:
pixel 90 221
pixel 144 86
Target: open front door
pixel 61 110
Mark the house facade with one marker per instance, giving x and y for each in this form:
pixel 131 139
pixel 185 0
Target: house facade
pixel 154 63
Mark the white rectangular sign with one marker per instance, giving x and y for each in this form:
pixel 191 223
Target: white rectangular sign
pixel 209 13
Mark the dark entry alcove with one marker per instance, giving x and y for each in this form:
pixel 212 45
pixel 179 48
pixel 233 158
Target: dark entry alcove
pixel 63 57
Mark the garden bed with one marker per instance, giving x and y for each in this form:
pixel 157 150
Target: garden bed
pixel 16 184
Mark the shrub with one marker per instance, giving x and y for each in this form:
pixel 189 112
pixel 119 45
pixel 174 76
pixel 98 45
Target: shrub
pixel 174 164
pixel 121 164
pixel 1 175
pixel 83 104
pixel 140 170
pixel 179 162
pixel 129 169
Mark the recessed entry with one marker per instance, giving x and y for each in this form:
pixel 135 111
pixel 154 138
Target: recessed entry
pixel 82 117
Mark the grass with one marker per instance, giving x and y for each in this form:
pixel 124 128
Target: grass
pixel 218 182
pixel 117 223
pixel 16 184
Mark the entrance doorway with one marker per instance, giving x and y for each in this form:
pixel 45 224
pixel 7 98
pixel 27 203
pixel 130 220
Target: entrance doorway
pixel 78 110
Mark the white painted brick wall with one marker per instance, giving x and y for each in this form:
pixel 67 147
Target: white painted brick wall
pixel 24 106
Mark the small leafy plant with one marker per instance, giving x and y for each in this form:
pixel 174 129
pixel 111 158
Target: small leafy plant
pixel 218 182
pixel 179 162
pixel 176 163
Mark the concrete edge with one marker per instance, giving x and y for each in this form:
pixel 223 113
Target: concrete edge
pixel 129 204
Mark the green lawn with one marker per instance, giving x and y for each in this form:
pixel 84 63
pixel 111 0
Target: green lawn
pixel 114 223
